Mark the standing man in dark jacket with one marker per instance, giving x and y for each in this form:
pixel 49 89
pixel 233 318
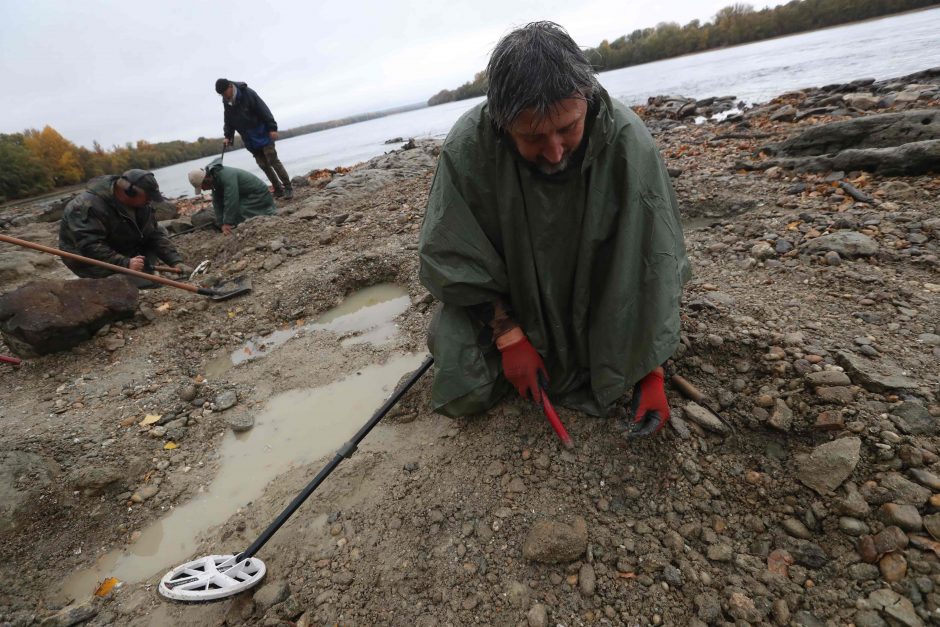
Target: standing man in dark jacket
pixel 247 113
pixel 113 221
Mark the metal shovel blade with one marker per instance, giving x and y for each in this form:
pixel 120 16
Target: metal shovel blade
pixel 229 288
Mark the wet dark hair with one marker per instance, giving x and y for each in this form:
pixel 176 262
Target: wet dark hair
pixel 536 66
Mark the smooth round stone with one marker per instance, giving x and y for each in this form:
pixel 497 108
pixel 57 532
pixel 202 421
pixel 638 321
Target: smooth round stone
pixel 893 567
pixel 932 524
pixel 853 526
pixel 796 529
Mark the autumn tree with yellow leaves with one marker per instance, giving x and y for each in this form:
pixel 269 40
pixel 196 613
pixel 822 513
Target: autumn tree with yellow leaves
pixel 56 153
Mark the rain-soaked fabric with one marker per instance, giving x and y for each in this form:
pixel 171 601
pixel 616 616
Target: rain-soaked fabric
pixel 94 224
pixel 592 262
pixel 237 194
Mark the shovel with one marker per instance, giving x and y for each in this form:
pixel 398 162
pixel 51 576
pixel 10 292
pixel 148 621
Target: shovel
pixel 200 269
pixel 229 289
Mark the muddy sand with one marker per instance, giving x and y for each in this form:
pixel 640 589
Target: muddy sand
pixel 185 430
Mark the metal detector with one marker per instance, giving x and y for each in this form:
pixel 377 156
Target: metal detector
pixel 219 576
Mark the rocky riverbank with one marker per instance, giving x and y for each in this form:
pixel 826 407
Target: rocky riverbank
pixel 812 323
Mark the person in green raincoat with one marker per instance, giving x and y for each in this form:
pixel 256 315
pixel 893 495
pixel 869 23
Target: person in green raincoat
pixel 552 239
pixel 236 194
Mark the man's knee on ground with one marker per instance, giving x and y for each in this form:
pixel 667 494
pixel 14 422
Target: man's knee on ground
pixel 477 401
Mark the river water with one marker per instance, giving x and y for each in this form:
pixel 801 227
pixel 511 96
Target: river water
pixel 883 48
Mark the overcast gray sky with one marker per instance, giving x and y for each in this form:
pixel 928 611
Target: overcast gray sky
pixel 118 71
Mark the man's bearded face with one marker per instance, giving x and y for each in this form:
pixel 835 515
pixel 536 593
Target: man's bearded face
pixel 548 141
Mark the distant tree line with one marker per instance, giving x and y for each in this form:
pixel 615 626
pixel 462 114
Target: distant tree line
pixel 470 89
pixel 35 162
pixel 352 119
pixel 732 25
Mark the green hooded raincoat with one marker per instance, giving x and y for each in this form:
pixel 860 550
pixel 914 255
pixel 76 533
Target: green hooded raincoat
pixel 238 195
pixel 592 262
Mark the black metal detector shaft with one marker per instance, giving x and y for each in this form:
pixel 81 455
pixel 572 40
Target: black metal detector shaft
pixel 345 452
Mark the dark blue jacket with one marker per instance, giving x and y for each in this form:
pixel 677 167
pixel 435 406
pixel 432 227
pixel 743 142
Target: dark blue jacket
pixel 250 116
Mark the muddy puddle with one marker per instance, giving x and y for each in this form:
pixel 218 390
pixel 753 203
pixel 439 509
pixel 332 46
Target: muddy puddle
pixel 294 428
pixel 365 316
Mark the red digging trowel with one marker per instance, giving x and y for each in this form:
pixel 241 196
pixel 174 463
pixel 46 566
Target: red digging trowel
pixel 552 415
pixel 10 360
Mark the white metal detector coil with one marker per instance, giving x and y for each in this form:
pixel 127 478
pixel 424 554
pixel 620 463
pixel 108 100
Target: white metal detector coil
pixel 220 576
pixel 211 577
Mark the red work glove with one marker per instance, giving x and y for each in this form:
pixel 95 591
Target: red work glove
pixel 522 364
pixel 649 407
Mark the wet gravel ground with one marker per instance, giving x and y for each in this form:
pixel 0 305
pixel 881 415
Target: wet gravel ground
pixel 811 324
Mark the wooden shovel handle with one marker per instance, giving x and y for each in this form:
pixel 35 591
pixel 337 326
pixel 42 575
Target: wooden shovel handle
pixel 688 390
pixel 103 264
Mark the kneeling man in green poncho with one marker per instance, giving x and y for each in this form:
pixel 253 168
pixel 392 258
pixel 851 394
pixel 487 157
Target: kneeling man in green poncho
pixel 236 194
pixel 552 238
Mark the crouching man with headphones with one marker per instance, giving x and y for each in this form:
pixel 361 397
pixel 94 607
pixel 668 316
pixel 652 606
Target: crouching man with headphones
pixel 113 221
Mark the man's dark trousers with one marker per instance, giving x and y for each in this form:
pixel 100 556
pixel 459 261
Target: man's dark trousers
pixel 271 165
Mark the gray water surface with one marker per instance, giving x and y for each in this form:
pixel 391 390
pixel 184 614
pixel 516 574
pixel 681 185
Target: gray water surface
pixel 883 48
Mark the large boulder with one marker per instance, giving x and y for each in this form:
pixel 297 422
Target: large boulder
pixel 911 159
pixel 872 131
pixel 890 144
pixel 48 316
pixel 848 244
pixel 179 225
pixel 203 217
pixel 165 210
pixel 53 211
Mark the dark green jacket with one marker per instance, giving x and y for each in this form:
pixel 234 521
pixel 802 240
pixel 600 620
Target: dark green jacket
pixel 592 262
pixel 237 194
pixel 96 225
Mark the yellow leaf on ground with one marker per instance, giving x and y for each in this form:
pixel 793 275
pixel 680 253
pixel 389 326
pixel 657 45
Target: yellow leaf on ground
pixel 106 586
pixel 150 419
pixel 169 446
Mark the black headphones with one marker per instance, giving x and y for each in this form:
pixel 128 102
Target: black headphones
pixel 131 190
